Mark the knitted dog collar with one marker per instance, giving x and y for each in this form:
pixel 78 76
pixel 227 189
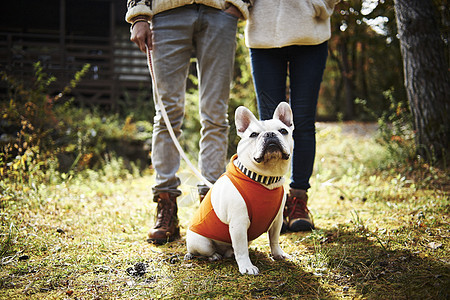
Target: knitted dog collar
pixel 255 176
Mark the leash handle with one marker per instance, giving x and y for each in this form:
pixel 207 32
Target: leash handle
pixel 169 125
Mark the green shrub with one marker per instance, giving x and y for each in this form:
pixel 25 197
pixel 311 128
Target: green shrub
pixel 43 133
pixel 396 131
pixel 92 137
pixel 31 125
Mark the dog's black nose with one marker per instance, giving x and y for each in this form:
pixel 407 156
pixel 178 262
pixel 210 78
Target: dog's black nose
pixel 269 134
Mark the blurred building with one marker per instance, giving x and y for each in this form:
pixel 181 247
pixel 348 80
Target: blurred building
pixel 66 34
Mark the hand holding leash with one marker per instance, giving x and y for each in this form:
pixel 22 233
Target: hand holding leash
pixel 141 34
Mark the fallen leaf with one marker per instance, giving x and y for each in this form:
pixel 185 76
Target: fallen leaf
pixel 434 245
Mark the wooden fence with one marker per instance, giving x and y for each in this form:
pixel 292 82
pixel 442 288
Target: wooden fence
pixel 117 67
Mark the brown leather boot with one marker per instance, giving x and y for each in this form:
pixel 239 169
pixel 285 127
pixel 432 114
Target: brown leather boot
pixel 166 227
pixel 299 217
pixel 202 191
pixel 201 197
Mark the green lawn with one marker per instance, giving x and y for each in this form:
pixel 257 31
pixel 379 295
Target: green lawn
pixel 382 233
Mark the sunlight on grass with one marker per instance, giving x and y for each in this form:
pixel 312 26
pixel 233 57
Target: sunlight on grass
pixel 381 232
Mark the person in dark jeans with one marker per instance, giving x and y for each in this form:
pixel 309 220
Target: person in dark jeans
pixel 291 44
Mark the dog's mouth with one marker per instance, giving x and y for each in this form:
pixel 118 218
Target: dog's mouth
pixel 272 149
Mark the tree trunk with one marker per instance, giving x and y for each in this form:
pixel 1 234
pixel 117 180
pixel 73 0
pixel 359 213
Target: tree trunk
pixel 426 75
pixel 347 76
pixel 362 71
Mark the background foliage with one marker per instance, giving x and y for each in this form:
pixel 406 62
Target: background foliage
pixel 363 81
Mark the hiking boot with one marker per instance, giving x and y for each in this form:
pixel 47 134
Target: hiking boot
pixel 166 227
pixel 296 211
pixel 202 191
pixel 201 197
pixel 285 226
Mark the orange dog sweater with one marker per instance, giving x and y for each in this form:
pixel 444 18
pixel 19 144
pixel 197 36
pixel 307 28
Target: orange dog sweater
pixel 262 206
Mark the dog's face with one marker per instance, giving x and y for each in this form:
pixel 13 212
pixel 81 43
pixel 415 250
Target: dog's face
pixel 265 146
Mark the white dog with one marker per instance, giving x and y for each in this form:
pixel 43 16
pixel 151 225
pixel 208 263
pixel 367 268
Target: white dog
pixel 249 198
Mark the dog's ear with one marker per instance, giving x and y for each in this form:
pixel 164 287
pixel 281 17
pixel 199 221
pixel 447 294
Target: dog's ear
pixel 283 113
pixel 242 118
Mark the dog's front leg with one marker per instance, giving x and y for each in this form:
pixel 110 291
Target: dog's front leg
pixel 238 232
pixel 274 235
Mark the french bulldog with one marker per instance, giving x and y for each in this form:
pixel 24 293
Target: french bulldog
pixel 249 198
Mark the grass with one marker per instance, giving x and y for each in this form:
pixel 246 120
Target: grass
pixel 382 233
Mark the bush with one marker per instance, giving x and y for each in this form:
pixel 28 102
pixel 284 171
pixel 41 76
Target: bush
pixel 92 138
pixel 31 126
pixel 395 127
pixel 43 133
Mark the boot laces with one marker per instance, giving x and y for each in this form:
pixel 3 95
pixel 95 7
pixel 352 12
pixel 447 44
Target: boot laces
pixel 165 213
pixel 297 208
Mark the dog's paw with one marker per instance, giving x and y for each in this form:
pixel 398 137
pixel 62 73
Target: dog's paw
pixel 278 254
pixel 281 256
pixel 249 269
pixel 215 257
pixel 229 253
pixel 189 256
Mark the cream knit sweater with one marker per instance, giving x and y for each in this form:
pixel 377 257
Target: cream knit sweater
pixel 280 23
pixel 148 8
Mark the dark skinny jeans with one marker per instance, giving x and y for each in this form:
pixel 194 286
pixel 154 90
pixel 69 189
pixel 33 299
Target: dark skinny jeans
pixel 304 67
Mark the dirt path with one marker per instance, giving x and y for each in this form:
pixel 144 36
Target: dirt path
pixel 356 129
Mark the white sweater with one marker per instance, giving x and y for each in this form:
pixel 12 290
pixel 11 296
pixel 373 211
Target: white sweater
pixel 280 23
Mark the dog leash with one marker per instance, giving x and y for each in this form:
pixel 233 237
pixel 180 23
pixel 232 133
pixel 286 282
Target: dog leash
pixel 169 125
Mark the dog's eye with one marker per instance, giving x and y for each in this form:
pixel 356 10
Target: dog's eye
pixel 254 134
pixel 283 131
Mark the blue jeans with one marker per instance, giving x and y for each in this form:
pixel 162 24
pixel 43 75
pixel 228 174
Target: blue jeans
pixel 178 33
pixel 304 65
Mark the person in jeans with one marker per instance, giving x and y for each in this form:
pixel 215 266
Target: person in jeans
pixel 289 39
pixel 175 30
